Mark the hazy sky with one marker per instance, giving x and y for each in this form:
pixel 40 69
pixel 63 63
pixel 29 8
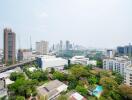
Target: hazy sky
pixel 92 23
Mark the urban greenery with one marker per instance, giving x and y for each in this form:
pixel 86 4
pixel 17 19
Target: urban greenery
pixel 78 78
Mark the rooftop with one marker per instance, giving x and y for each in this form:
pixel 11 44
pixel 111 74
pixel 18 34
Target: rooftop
pixel 52 88
pixel 76 96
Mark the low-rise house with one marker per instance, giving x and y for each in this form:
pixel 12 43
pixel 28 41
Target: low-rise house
pixel 76 96
pixel 51 90
pixel 3 89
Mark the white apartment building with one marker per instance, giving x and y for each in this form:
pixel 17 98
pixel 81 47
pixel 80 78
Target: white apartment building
pixel 128 76
pixel 121 65
pixel 117 64
pixel 42 47
pixel 82 60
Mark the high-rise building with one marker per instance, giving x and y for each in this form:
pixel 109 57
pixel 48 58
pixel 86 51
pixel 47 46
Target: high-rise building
pixel 42 47
pixel 67 45
pixel 125 50
pixel 110 53
pixel 61 45
pixel 9 46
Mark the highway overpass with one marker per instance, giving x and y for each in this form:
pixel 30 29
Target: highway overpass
pixel 3 69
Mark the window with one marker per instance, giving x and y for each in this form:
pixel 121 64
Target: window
pixel 130 77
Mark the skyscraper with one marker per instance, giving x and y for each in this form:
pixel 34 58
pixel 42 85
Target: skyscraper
pixel 42 47
pixel 61 45
pixel 125 50
pixel 9 46
pixel 67 45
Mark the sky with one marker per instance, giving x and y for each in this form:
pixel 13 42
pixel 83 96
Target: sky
pixel 91 23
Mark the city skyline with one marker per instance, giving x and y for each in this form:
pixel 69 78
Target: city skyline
pixel 101 24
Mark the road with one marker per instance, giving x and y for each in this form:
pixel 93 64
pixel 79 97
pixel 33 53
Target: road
pixel 3 69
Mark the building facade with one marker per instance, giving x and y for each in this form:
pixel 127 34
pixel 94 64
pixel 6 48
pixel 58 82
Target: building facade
pixel 82 60
pixel 51 90
pixel 24 55
pixel 9 46
pixel 125 50
pixel 128 76
pixel 110 53
pixel 121 65
pixel 48 62
pixel 42 47
pixel 117 64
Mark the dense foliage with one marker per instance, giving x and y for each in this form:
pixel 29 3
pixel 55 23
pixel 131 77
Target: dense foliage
pixel 78 78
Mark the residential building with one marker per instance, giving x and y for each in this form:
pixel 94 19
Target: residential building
pixel 4 82
pixel 76 96
pixel 42 47
pixel 128 75
pixel 24 54
pixel 51 90
pixel 121 65
pixel 48 62
pixel 117 64
pixel 9 46
pixel 3 89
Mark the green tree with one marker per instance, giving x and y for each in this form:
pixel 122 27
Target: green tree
pixel 125 92
pixel 81 90
pixel 52 70
pixel 109 83
pixel 72 84
pixel 62 97
pixel 39 75
pixel 118 78
pixel 78 71
pixel 16 98
pixel 71 77
pixel 22 87
pixel 93 80
pixel 58 75
pixel 14 76
pixel 99 63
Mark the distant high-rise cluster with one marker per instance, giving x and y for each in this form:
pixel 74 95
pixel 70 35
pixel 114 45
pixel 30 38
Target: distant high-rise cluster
pixel 9 46
pixel 66 46
pixel 42 47
pixel 125 50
